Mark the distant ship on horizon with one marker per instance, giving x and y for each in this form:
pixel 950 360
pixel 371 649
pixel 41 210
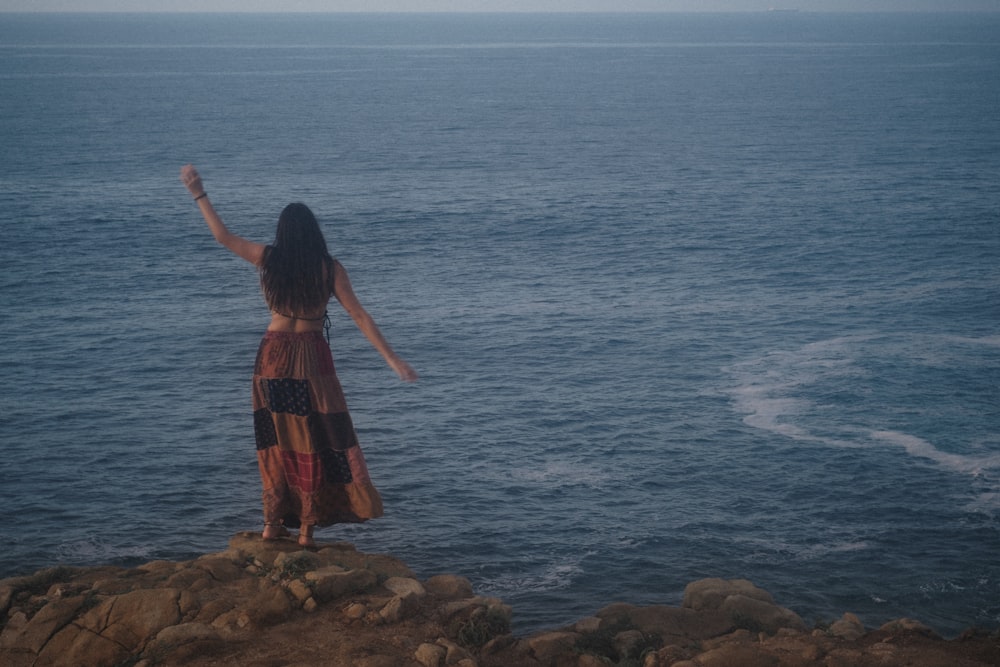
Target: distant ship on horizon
pixel 783 11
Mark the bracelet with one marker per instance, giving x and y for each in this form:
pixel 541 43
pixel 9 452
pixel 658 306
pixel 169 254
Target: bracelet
pixel 201 196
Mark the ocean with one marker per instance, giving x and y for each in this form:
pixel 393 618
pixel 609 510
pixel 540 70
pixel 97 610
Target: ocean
pixel 690 295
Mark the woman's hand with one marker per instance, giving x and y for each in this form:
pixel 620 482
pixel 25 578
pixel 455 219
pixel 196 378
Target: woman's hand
pixel 192 180
pixel 248 250
pixel 404 371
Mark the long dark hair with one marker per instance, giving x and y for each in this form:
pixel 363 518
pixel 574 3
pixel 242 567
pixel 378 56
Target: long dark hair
pixel 297 272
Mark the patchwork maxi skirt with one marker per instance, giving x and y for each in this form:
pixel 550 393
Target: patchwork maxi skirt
pixel 311 466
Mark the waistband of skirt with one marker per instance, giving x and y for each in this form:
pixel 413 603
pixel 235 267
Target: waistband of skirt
pixel 292 335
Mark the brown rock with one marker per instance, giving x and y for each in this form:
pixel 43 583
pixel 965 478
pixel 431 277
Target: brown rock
pixel 674 654
pixel 65 590
pixel 247 546
pixel 159 566
pixel 811 653
pixel 742 655
pixel 15 625
pixel 355 610
pixel 458 608
pixel 449 586
pixel 113 586
pixel 16 658
pixel 212 610
pixel 759 615
pixel 674 622
pixel 498 644
pixel 548 646
pixel 626 643
pixel 430 655
pixel 185 633
pixel 795 649
pixel 454 654
pixel 270 606
pixel 405 586
pixel 908 625
pixel 329 583
pixel 190 578
pixel 740 636
pixel 299 590
pixel 132 619
pixel 6 595
pixel 587 625
pixel 231 622
pixel 843 658
pixel 711 593
pixel 74 646
pixel 849 627
pixel 399 607
pixel 297 563
pixel 33 634
pixel 616 610
pixel 883 652
pixel 379 661
pixel 385 567
pixel 349 558
pixel 219 568
pixel 189 605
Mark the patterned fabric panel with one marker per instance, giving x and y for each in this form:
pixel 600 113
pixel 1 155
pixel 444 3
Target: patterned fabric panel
pixel 288 395
pixel 303 471
pixel 263 429
pixel 334 431
pixel 336 467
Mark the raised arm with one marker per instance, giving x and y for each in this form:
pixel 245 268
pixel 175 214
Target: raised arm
pixel 248 250
pixel 345 295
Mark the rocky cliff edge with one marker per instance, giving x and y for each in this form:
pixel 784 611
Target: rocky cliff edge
pixel 265 604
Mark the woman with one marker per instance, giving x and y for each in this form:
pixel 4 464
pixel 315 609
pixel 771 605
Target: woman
pixel 311 467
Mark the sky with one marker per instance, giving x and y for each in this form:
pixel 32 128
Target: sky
pixel 491 5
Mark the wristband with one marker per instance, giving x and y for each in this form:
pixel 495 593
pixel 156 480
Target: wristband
pixel 201 196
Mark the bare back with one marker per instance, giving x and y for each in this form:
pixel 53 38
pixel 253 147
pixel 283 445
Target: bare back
pixel 307 321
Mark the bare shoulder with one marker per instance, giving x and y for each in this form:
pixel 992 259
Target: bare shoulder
pixel 339 272
pixel 343 289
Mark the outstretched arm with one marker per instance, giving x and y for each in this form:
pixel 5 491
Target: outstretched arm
pixel 248 250
pixel 345 295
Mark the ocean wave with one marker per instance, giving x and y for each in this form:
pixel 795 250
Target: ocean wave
pixel 925 394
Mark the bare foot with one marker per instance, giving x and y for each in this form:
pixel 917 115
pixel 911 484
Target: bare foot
pixel 306 537
pixel 274 531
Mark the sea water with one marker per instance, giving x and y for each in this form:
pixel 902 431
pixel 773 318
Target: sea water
pixel 690 295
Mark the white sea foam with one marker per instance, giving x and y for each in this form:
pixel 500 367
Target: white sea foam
pixel 781 392
pixel 550 577
pixel 564 473
pixel 964 463
pixel 93 550
pixel 767 384
pixel 985 503
pixel 993 341
pixel 764 549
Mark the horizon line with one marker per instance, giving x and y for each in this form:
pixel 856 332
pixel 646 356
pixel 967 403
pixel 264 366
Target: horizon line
pixel 486 12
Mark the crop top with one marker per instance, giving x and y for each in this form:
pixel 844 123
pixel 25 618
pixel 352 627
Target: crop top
pixel 325 318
